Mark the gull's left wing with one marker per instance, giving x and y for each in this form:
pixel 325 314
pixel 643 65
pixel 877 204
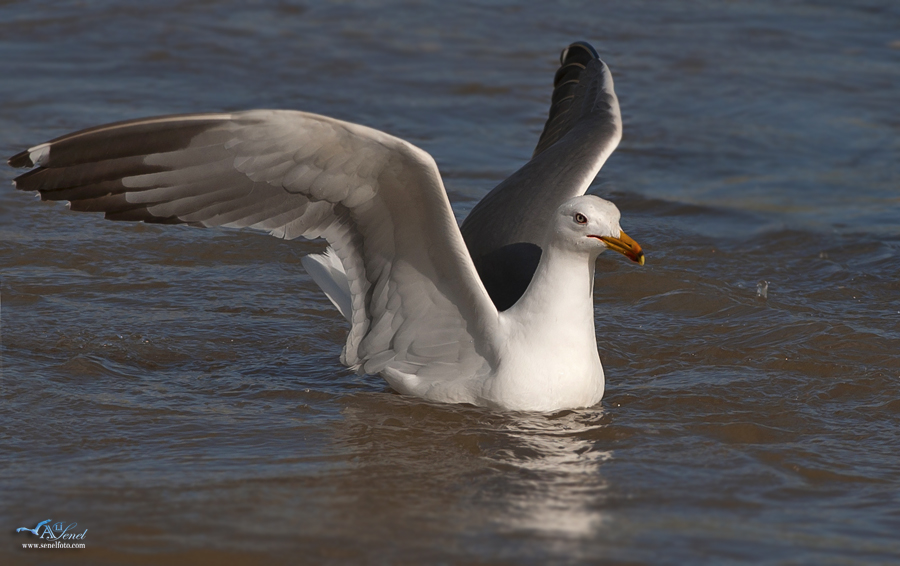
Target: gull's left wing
pixel 504 231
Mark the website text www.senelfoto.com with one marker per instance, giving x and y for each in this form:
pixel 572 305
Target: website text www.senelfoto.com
pixel 57 544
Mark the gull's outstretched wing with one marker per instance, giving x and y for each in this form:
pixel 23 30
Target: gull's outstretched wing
pixel 504 231
pixel 419 312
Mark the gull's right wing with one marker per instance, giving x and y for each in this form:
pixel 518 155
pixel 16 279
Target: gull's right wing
pixel 419 313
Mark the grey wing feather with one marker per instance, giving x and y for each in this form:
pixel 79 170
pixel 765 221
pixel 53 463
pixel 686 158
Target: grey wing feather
pixel 418 310
pixel 504 231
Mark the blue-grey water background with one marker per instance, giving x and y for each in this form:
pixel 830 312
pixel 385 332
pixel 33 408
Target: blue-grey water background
pixel 177 391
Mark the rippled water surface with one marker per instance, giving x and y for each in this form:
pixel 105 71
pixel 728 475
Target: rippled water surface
pixel 178 391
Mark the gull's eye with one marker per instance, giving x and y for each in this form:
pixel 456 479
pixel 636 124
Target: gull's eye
pixel 580 218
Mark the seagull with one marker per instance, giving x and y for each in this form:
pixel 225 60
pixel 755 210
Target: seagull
pixel 495 313
pixel 35 530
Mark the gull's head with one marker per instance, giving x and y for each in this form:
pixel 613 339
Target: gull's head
pixel 591 224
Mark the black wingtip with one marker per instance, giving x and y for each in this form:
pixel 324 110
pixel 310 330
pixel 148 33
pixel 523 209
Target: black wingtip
pixel 22 159
pixel 577 52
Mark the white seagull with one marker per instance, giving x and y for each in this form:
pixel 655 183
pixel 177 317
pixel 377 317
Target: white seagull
pixel 498 313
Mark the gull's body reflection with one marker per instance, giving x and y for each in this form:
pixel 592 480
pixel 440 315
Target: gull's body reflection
pixel 417 468
pixel 554 481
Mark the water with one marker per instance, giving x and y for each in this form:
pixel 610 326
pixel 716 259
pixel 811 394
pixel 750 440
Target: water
pixel 178 393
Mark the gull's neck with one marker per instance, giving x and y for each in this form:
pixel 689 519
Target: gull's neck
pixel 561 293
pixel 550 358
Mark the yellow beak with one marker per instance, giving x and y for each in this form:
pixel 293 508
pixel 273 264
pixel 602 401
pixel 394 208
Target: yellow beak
pixel 625 246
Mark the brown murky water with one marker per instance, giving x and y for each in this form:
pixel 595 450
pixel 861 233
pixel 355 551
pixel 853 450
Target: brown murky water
pixel 177 392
